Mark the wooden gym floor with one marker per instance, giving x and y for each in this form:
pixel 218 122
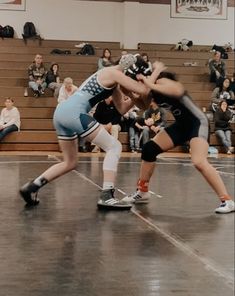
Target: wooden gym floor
pixel 175 245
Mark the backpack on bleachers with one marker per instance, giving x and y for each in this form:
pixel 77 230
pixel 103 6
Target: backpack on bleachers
pixel 29 30
pixel 87 49
pixel 31 33
pixel 7 32
pixel 60 51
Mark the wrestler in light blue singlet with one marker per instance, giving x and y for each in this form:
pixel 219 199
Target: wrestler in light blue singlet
pixel 71 118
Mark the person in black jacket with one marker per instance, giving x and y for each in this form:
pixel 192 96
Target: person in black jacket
pixel 107 114
pixel 222 125
pixel 53 79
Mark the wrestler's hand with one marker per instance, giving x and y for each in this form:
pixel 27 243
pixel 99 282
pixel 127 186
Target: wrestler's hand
pixel 159 66
pixel 141 77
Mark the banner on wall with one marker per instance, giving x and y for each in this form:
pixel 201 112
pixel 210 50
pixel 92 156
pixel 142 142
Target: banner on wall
pixel 204 9
pixel 12 4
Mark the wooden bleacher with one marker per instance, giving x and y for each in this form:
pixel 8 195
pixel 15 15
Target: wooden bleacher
pixel 37 132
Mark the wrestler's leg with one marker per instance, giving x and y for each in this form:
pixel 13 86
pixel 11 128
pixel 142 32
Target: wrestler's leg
pixel 199 151
pixel 69 148
pixel 160 143
pixel 112 148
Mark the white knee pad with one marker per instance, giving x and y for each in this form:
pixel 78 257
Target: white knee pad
pixel 111 146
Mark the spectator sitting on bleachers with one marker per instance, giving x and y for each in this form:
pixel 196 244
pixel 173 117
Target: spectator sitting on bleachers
pixel 222 92
pixel 67 89
pixel 133 131
pixel 124 52
pixel 9 118
pixel 107 114
pixel 217 69
pixel 146 59
pixel 37 76
pixel 153 126
pixel 232 84
pixel 53 79
pixel 222 125
pixel 105 60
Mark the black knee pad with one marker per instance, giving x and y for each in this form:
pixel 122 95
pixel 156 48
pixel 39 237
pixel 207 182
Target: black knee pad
pixel 150 151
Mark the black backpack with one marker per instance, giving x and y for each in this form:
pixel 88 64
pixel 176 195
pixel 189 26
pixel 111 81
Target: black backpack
pixel 7 32
pixel 87 49
pixel 60 51
pixel 29 30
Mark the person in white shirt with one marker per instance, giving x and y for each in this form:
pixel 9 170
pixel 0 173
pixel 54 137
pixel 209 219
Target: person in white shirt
pixel 66 90
pixel 9 118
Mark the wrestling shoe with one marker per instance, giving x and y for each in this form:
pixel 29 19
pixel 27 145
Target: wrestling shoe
pixel 29 193
pixel 137 197
pixel 109 202
pixel 225 207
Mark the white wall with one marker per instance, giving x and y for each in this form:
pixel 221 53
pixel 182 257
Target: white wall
pixel 128 22
pixel 201 31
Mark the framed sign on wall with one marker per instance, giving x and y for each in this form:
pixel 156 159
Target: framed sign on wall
pixel 12 4
pixel 203 9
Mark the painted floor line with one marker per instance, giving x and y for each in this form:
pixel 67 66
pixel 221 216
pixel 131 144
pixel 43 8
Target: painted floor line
pixel 208 264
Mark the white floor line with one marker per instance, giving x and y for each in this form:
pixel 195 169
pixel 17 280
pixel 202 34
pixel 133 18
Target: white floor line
pixel 226 173
pixel 101 161
pixel 183 247
pixel 27 161
pixel 121 162
pixel 188 160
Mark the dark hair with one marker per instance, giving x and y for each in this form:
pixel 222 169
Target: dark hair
pixel 167 75
pixel 9 99
pixel 220 103
pixel 156 94
pixel 144 54
pixel 104 50
pixel 140 67
pixel 221 84
pixel 52 65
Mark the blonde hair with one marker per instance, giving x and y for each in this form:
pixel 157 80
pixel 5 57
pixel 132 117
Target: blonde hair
pixel 68 80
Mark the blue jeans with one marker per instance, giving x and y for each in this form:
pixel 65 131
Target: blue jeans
pixel 133 138
pixel 224 137
pixel 34 85
pixel 7 130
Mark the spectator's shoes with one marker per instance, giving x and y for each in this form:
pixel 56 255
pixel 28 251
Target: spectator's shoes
pixel 230 150
pixel 107 201
pixel 225 207
pixel 29 192
pixel 36 93
pixel 82 149
pixel 42 92
pixel 137 197
pixel 26 93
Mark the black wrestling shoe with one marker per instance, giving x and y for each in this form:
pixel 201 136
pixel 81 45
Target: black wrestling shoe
pixel 109 202
pixel 29 193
